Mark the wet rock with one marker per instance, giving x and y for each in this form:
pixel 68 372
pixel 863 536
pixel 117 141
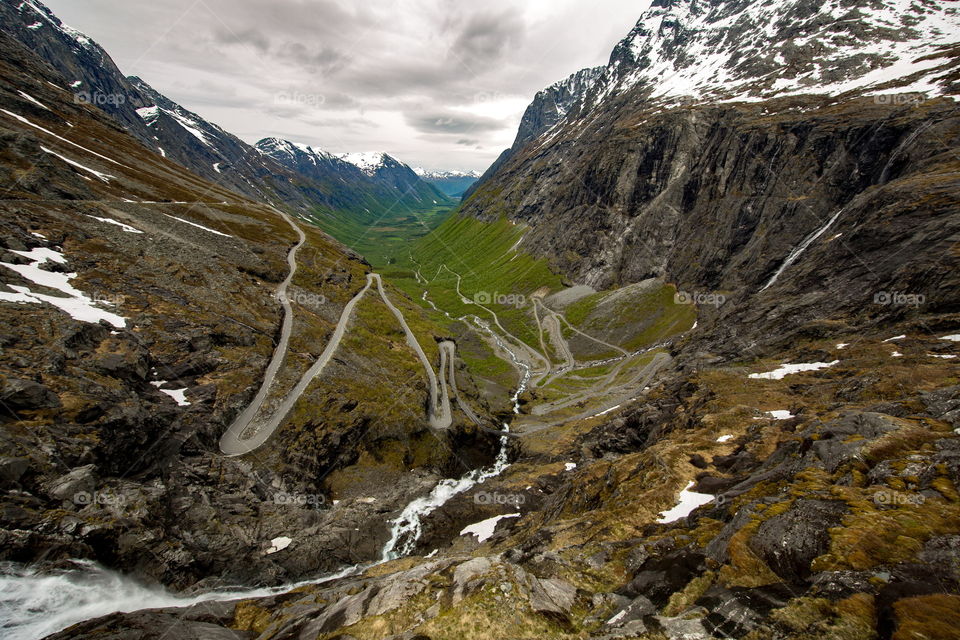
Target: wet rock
pixel 11 470
pixel 789 542
pixel 837 585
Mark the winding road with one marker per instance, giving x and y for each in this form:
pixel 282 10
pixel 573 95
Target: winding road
pixel 279 352
pixel 249 431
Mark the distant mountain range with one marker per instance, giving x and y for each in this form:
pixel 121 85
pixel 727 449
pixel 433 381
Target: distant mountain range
pixel 311 183
pixel 452 183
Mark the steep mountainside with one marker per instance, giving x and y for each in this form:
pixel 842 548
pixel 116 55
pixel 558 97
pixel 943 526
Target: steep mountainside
pixel 718 193
pixel 711 293
pixel 185 137
pixel 140 311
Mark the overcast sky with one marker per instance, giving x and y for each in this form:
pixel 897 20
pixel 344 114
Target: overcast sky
pixel 437 83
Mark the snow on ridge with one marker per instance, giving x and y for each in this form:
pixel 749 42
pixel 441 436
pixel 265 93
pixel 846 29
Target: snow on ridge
pixel 739 52
pixel 367 161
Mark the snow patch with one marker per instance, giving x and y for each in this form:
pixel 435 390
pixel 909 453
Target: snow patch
pixel 689 500
pixel 787 369
pixel 77 304
pixel 485 528
pixel 199 226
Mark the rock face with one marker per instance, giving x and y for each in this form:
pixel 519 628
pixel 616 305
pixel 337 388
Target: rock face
pixel 716 181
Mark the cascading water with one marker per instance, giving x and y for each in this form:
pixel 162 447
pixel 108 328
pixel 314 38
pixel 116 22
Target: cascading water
pixel 34 603
pixel 406 528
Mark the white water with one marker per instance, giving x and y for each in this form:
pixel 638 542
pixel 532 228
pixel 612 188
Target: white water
pixel 405 529
pixel 34 604
pixel 801 248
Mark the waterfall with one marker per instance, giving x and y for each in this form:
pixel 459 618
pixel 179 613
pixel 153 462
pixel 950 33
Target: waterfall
pixel 34 604
pixel 802 247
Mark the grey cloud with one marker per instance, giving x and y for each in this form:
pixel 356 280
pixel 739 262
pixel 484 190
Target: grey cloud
pixel 251 37
pixel 453 123
pixel 487 37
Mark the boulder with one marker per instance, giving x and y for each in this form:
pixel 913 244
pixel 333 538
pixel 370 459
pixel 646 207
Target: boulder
pixel 17 394
pixel 72 486
pixel 789 542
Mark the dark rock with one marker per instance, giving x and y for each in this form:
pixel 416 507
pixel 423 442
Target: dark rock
pixel 11 470
pixel 738 611
pixel 789 542
pixel 17 395
pixel 659 577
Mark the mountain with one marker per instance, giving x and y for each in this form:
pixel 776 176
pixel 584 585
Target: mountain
pixel 697 335
pixel 386 170
pixel 451 183
pixel 142 308
pixel 330 190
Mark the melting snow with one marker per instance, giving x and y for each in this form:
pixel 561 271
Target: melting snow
pixel 33 100
pixel 103 176
pixel 689 500
pixel 216 167
pixel 787 369
pixel 78 305
pixel 125 227
pixel 59 137
pixel 199 226
pixel 900 337
pixel 945 356
pixel 570 466
pixel 725 438
pixel 279 544
pixel 954 338
pixel 180 395
pixel 780 414
pixel 843 345
pixel 484 529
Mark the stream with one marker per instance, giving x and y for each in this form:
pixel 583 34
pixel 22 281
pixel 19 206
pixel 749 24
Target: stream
pixel 35 603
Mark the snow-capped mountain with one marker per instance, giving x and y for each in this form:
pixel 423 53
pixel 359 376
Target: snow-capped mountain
pixel 749 50
pixel 360 181
pixel 367 161
pixel 185 137
pixel 441 174
pixel 453 183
